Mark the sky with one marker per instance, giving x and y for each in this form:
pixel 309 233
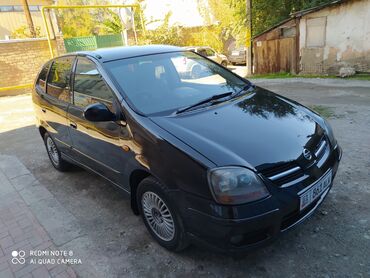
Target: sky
pixel 184 12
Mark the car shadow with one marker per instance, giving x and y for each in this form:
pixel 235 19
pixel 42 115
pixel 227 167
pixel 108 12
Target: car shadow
pixel 104 214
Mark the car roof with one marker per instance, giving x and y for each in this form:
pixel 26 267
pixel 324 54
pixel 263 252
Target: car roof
pixel 116 53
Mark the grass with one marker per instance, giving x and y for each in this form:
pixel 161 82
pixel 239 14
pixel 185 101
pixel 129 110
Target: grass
pixel 324 111
pixel 289 75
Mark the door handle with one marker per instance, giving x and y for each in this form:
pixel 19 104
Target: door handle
pixel 43 110
pixel 74 125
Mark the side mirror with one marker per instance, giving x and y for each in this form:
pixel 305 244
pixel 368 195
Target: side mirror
pixel 98 112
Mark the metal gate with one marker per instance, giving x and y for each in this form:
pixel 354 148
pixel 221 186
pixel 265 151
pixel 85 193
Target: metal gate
pixel 92 42
pixel 278 55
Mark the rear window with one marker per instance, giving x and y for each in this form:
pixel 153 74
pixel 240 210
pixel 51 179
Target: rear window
pixel 42 76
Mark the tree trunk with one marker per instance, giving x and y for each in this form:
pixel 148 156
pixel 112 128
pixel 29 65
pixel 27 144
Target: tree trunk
pixel 29 18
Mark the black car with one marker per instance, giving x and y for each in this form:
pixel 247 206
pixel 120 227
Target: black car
pixel 210 158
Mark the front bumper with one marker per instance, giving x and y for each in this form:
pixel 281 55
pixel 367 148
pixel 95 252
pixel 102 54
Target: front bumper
pixel 236 229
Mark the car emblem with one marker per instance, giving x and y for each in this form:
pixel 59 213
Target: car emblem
pixel 307 154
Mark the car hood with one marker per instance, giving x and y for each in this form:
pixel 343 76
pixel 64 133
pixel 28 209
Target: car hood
pixel 259 129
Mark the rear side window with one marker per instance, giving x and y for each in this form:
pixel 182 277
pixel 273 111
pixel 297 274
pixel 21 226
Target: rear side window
pixel 41 81
pixel 89 86
pixel 59 77
pixel 202 52
pixel 209 52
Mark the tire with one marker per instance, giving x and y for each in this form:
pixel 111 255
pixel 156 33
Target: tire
pixel 224 64
pixel 160 215
pixel 54 154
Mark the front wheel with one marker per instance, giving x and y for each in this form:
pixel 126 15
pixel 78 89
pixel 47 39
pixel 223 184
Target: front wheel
pixel 224 64
pixel 160 216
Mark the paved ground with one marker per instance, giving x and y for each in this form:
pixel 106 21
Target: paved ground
pixel 23 230
pixel 112 242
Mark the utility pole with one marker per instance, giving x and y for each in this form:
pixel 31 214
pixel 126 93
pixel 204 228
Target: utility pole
pixel 29 18
pixel 249 38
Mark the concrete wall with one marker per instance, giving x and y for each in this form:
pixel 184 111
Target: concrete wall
pixel 346 41
pixel 20 60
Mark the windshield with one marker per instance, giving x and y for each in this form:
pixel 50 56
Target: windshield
pixel 166 82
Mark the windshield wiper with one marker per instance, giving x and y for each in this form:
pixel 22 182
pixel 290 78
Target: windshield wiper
pixel 245 88
pixel 211 99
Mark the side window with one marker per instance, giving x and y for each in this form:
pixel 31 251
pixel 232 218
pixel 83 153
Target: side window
pixel 202 52
pixel 89 86
pixel 41 81
pixel 209 52
pixel 58 79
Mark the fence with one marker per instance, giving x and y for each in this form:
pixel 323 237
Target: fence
pixel 92 42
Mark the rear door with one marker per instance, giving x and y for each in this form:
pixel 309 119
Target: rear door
pixel 55 99
pixel 96 145
pixel 39 94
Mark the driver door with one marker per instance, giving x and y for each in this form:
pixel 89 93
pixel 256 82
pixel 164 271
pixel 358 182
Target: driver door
pixel 95 144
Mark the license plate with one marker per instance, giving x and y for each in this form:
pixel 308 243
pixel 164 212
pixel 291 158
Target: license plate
pixel 315 191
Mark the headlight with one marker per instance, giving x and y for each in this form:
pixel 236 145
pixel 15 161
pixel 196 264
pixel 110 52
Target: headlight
pixel 236 185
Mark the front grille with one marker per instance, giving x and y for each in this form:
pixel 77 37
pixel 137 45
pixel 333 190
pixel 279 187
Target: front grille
pixel 321 147
pixel 284 173
pixel 289 173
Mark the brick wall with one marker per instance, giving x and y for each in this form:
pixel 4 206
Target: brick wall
pixel 20 60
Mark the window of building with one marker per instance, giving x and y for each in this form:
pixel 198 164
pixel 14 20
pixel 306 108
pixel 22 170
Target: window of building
pixel 316 32
pixel 19 8
pixel 59 77
pixel 288 32
pixel 89 86
pixel 6 8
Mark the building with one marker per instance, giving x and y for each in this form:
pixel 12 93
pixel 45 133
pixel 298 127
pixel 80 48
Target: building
pixel 320 40
pixel 12 17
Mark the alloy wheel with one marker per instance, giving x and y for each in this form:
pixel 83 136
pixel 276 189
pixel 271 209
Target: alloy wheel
pixel 52 150
pixel 158 216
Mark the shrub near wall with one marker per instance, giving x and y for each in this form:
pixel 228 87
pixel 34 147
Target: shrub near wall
pixel 20 61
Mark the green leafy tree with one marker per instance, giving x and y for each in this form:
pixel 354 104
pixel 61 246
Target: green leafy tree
pixel 113 23
pixel 164 34
pixel 225 20
pixel 84 22
pixel 267 13
pixel 24 32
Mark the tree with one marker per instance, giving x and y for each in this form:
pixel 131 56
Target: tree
pixel 29 18
pixel 267 13
pixel 226 19
pixel 164 34
pixel 24 32
pixel 83 22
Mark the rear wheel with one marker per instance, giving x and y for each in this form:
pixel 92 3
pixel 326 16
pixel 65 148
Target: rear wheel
pixel 160 216
pixel 54 154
